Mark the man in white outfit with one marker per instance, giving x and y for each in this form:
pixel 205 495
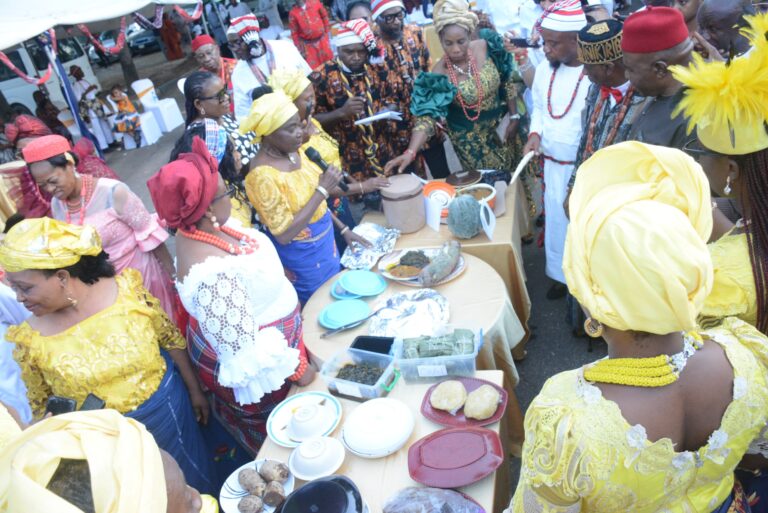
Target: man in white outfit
pixel 256 60
pixel 559 93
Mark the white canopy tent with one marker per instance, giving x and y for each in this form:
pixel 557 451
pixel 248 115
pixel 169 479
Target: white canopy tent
pixel 23 19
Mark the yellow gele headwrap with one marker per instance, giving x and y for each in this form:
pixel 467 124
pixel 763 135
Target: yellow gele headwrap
pixel 268 113
pixel 728 102
pixel 124 461
pixel 635 255
pixel 454 12
pixel 292 82
pixel 46 243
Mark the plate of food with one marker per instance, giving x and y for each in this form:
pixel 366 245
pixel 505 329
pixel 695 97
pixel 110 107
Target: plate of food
pixel 258 486
pixel 427 267
pixel 461 401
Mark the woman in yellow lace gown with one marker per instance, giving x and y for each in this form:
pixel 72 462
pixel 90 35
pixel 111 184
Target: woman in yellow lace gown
pixel 733 149
pixel 92 332
pixel 661 424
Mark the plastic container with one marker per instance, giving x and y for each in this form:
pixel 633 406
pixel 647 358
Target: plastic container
pixel 403 203
pixel 359 391
pixel 420 370
pixel 379 345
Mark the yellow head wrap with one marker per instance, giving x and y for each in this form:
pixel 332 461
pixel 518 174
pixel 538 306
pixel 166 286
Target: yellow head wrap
pixel 124 462
pixel 268 113
pixel 46 243
pixel 636 256
pixel 728 102
pixel 292 82
pixel 454 12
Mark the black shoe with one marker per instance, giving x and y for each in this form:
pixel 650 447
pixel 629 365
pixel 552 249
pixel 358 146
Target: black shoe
pixel 557 291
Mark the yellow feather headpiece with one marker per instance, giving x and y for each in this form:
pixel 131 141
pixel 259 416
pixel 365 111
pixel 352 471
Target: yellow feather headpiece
pixel 727 103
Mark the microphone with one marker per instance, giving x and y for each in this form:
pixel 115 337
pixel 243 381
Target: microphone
pixel 314 155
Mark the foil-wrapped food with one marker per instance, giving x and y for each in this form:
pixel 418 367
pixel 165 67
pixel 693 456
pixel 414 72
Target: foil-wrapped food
pixel 382 239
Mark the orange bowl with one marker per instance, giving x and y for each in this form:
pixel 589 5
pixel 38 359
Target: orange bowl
pixel 441 192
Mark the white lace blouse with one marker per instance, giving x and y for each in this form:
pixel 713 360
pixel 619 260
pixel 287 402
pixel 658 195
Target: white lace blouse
pixel 232 297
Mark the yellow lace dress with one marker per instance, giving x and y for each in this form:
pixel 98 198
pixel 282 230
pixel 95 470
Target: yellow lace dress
pixel 733 291
pixel 581 455
pixel 325 145
pixel 114 354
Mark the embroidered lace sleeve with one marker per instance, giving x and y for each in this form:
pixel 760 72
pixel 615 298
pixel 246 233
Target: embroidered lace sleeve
pixel 38 390
pixel 251 361
pixel 131 210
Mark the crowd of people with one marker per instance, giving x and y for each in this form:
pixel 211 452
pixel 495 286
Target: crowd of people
pixel 651 183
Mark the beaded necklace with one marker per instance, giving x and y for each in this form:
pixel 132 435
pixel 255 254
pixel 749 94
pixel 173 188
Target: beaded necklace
pixel 369 134
pixel 589 150
pixel 573 96
pixel 658 371
pixel 473 74
pixel 247 244
pixel 88 185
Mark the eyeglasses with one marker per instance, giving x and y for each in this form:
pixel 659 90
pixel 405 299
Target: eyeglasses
pixel 391 18
pixel 229 193
pixel 695 149
pixel 221 96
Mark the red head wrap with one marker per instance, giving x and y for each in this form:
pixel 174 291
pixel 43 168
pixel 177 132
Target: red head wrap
pixel 44 148
pixel 25 127
pixel 202 40
pixel 653 30
pixel 183 190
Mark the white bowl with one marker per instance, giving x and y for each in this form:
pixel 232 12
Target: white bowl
pixel 315 458
pixel 378 428
pixel 308 421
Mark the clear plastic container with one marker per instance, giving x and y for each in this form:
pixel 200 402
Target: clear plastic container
pixel 436 368
pixel 359 391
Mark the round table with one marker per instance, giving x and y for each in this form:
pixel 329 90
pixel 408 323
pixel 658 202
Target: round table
pixel 478 299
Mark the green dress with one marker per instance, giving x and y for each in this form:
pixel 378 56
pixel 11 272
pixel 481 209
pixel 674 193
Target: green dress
pixel 477 144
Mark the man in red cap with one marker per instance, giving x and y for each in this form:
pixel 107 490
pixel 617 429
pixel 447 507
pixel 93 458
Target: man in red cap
pixel 654 40
pixel 208 56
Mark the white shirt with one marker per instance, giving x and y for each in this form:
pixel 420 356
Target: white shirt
pixel 505 14
pixel 12 390
pixel 244 81
pixel 559 137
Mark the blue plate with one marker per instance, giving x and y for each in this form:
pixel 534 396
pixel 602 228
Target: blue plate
pixel 343 312
pixel 339 292
pixel 363 283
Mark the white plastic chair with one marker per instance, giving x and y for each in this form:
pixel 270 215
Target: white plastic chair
pixel 180 84
pixel 166 111
pixel 150 131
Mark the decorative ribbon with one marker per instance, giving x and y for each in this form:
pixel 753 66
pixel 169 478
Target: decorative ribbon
pixel 144 22
pixel 611 91
pixel 119 43
pixel 26 78
pixel 195 15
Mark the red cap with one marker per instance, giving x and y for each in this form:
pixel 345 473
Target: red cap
pixel 202 40
pixel 44 148
pixel 653 30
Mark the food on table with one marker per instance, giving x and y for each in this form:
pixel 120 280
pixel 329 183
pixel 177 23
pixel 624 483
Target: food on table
pixel 274 471
pixel 442 264
pixel 404 271
pixel 360 373
pixel 479 193
pixel 464 217
pixel 274 494
pixel 251 481
pixel 415 259
pixel 420 500
pixel 482 403
pixel 250 504
pixel 448 396
pixel 457 343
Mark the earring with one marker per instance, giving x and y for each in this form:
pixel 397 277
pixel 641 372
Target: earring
pixel 72 301
pixel 216 225
pixel 727 189
pixel 592 330
pixel 202 112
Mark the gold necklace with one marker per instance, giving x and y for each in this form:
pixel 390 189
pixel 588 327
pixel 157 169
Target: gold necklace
pixel 657 371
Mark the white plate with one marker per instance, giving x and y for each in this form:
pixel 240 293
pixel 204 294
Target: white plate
pixel 281 415
pixel 378 428
pixel 232 492
pixel 394 257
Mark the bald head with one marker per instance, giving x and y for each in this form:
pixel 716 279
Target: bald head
pixel 720 21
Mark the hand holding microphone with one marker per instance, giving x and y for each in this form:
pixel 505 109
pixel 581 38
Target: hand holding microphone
pixel 330 173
